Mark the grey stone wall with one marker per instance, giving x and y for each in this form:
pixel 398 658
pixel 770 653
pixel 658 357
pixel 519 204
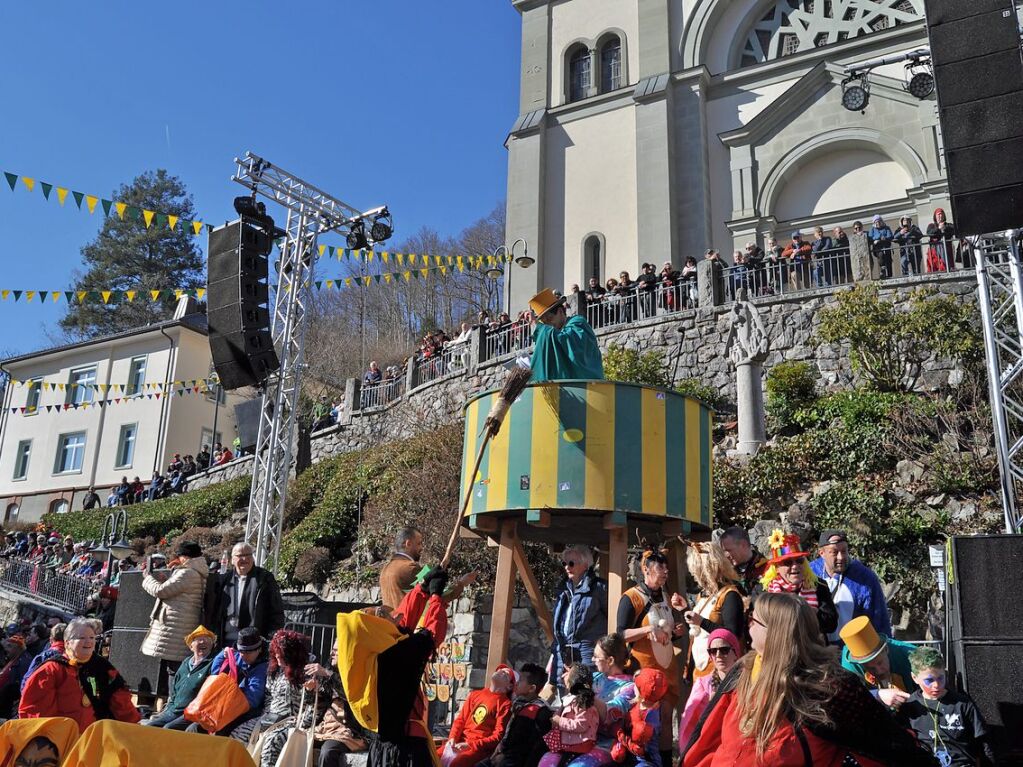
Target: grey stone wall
pixel 239 467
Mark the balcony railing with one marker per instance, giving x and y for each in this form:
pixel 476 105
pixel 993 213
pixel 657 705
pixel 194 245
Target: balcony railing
pixel 44 584
pixel 505 340
pixel 453 358
pixel 625 307
pixel 382 393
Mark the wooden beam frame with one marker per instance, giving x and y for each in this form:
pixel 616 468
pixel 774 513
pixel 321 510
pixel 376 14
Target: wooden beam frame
pixel 543 612
pixel 504 596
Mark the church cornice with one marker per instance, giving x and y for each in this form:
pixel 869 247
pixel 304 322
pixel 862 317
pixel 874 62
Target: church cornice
pixel 528 5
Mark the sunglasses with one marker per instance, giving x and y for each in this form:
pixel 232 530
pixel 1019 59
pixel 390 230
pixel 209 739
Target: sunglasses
pixel 719 651
pixel 568 562
pixel 793 562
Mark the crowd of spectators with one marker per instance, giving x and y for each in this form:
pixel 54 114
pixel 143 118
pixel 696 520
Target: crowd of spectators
pixel 624 299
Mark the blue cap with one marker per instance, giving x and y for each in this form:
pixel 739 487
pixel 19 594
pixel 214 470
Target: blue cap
pixel 796 233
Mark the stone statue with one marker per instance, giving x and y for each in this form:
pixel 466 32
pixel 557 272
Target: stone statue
pixel 747 347
pixel 747 337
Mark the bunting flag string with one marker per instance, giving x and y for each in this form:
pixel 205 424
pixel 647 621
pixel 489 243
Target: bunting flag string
pixel 408 259
pixel 49 385
pixel 64 407
pixel 114 297
pixel 149 218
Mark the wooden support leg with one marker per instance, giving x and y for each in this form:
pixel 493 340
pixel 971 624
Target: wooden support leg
pixel 504 596
pixel 543 611
pixel 617 566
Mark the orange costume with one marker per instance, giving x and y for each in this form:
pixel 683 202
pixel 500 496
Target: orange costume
pixel 480 723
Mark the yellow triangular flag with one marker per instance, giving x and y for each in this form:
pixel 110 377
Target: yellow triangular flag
pixel 61 194
pixel 369 256
pixel 437 260
pixel 130 294
pixel 172 221
pixel 424 272
pixel 411 258
pixel 387 277
pixel 56 295
pixel 401 259
pixel 148 216
pixel 348 283
pixel 367 279
pixel 154 295
pixel 61 386
pixel 330 284
pixel 443 270
pixel 385 256
pixel 91 202
pixel 30 183
pixel 322 249
pixel 106 296
pixel 81 295
pixel 29 294
pixel 197 226
pixel 121 207
pixel 199 293
pixel 407 275
pixel 178 293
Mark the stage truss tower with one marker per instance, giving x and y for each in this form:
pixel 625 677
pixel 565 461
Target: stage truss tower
pixel 311 212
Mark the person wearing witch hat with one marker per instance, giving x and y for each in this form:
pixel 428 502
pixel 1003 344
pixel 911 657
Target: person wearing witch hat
pixel 564 348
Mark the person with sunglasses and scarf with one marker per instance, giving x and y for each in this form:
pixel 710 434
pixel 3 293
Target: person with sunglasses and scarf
pixel 788 572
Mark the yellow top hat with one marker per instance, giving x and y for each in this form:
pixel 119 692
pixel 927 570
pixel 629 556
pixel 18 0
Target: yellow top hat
pixel 544 301
pixel 861 639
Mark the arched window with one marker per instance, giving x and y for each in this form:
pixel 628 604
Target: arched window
pixel 11 515
pixel 593 259
pixel 611 65
pixel 579 74
pixel 59 506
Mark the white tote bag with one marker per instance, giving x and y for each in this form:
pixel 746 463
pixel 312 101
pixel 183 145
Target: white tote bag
pixel 300 746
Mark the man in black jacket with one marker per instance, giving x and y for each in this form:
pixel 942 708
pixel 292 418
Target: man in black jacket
pixel 244 596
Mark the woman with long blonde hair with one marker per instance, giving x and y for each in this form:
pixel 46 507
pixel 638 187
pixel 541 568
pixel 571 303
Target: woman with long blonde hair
pixel 720 605
pixel 791 704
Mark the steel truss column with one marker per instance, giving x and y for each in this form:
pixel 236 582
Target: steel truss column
pixel 310 212
pixel 1000 297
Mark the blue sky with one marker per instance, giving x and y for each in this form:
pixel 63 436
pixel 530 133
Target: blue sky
pixel 395 102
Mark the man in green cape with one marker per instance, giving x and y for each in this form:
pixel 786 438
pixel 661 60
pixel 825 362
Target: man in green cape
pixel 564 347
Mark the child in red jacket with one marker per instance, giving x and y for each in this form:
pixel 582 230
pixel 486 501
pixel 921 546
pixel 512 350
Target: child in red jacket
pixel 480 723
pixel 637 741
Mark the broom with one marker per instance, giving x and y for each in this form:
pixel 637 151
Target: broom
pixel 513 386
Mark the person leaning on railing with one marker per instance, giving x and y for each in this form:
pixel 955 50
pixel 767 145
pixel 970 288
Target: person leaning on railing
pixel 823 251
pixel 908 236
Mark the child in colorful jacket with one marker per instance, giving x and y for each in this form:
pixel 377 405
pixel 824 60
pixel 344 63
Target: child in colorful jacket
pixel 638 741
pixel 480 723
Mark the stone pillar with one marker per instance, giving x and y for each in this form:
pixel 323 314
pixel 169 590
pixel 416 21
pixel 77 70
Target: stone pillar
pixel 750 404
pixel 576 303
pixel 708 294
pixel 859 252
pixel 353 393
pixel 476 349
pixel 410 374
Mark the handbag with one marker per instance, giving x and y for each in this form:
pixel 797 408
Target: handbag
pixel 220 701
pixel 301 743
pixel 553 740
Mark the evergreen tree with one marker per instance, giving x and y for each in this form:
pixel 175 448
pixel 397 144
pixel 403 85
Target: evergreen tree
pixel 127 256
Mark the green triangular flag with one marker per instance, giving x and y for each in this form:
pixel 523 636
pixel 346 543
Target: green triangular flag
pixel 17 294
pixel 94 295
pixel 134 212
pixel 12 179
pixel 107 204
pixel 79 196
pixel 161 220
pixel 376 277
pixel 47 188
pixel 318 284
pixel 330 250
pixel 70 296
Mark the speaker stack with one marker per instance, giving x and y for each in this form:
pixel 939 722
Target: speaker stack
pixel 978 73
pixel 131 622
pixel 237 296
pixel 985 613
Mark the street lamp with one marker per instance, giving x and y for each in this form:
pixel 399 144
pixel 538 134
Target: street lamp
pixel 112 544
pixel 525 261
pixel 216 408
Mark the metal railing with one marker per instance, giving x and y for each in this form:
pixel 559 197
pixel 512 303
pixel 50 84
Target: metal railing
pixel 624 307
pixel 505 340
pixel 381 393
pixel 322 637
pixel 453 358
pixel 45 584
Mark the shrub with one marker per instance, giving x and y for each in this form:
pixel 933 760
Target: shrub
pixel 694 387
pixel 854 408
pixel 164 518
pixel 313 566
pixel 305 492
pixel 888 345
pixel 631 366
pixel 790 387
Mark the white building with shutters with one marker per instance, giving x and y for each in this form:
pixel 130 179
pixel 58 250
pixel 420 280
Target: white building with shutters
pixel 56 440
pixel 650 130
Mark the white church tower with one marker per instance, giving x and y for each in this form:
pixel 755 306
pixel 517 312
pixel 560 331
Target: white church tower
pixel 650 130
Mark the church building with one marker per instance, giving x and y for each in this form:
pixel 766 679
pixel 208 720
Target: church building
pixel 651 130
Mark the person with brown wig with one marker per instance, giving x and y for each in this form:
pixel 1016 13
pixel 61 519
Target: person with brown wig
pixel 647 623
pixel 790 703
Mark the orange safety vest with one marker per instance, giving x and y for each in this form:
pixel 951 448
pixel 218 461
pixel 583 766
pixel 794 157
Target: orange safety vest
pixel 642 649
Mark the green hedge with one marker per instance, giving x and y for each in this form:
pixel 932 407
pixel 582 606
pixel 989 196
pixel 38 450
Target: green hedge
pixel 204 507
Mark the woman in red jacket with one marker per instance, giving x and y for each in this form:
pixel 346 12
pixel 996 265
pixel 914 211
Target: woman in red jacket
pixel 791 704
pixel 78 684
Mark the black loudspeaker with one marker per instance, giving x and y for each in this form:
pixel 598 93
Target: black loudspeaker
pixel 131 621
pixel 237 304
pixel 978 73
pixel 985 613
pixel 246 421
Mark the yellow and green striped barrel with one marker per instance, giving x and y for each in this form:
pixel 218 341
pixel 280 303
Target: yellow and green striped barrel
pixel 595 446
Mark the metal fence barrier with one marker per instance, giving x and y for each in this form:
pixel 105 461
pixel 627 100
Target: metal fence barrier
pixel 381 393
pixel 45 584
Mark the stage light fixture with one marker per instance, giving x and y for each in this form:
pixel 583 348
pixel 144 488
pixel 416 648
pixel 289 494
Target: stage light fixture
pixel 247 206
pixel 356 239
pixel 921 84
pixel 855 93
pixel 383 226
